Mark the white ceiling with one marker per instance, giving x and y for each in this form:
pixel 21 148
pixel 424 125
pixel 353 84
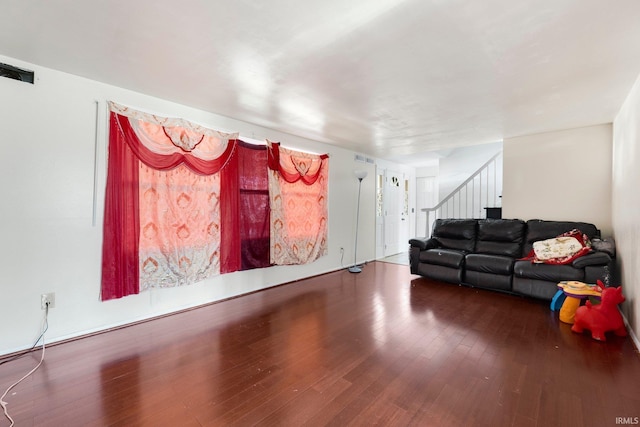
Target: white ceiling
pixel 387 78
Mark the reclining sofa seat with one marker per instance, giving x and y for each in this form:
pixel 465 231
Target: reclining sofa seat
pixel 498 246
pixel 488 253
pixel 541 280
pixel 444 256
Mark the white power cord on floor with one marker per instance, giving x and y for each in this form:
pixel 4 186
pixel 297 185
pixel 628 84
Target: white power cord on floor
pixel 3 403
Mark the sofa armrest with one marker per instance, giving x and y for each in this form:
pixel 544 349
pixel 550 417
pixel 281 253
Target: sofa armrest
pixel 424 243
pixel 593 258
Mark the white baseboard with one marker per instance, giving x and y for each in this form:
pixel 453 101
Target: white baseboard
pixel 631 332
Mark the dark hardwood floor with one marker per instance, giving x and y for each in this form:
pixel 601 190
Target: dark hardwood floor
pixel 381 347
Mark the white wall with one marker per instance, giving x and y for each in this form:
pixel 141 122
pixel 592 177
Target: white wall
pixel 626 202
pixel 455 168
pixel 563 175
pixel 428 173
pixel 47 190
pixel 429 170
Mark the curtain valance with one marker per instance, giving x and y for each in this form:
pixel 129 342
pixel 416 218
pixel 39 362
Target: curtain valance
pixel 169 121
pixel 153 145
pixel 294 166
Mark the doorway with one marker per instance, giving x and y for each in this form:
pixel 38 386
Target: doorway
pixel 392 212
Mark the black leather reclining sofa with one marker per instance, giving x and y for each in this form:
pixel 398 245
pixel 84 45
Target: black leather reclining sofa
pixel 487 253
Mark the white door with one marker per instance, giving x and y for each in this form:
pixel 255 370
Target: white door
pixel 405 225
pixel 379 213
pixel 394 215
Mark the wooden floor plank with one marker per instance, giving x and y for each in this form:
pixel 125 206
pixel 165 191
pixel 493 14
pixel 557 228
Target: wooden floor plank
pixel 382 347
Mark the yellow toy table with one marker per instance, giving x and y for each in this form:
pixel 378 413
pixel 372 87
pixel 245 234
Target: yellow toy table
pixel 573 292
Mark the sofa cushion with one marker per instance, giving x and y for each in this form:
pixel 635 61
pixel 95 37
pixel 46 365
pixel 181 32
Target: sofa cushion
pixel 445 257
pixel 499 248
pixel 500 237
pixel 459 234
pixel 495 264
pixel 501 230
pixel 546 272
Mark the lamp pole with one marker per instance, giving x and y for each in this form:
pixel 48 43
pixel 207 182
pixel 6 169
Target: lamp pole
pixel 360 174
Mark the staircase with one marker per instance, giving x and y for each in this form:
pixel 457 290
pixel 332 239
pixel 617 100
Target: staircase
pixel 481 190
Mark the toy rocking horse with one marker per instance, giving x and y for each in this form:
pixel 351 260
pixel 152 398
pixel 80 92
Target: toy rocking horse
pixel 603 317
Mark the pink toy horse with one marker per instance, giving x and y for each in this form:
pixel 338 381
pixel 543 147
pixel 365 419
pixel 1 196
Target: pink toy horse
pixel 603 317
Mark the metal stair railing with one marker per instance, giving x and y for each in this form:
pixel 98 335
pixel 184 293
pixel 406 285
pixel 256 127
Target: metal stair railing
pixel 469 199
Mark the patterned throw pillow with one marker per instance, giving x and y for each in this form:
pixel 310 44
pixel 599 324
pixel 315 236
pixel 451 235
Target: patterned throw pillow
pixel 607 245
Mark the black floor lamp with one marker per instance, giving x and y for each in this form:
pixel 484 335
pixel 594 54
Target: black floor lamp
pixel 360 174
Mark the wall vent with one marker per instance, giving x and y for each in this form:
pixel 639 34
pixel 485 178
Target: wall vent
pixel 11 72
pixel 363 159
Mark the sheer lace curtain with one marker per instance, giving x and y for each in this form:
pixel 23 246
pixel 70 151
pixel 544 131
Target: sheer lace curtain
pixel 162 206
pixel 298 194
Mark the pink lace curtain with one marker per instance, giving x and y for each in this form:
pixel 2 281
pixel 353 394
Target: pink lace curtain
pixel 298 194
pixel 163 202
pixel 179 215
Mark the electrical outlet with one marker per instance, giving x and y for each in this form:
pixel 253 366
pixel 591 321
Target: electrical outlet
pixel 49 299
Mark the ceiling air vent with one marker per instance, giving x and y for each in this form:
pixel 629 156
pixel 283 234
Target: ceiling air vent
pixel 16 73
